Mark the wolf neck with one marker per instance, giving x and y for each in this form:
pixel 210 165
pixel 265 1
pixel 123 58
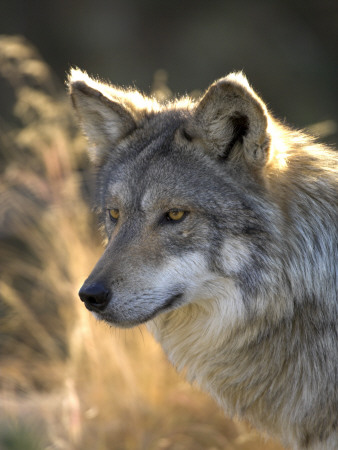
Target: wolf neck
pixel 246 369
pixel 221 359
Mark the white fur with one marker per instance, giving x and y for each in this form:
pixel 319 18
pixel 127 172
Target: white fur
pixel 235 254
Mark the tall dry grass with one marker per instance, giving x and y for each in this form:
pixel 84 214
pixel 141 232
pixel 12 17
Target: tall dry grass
pixel 67 382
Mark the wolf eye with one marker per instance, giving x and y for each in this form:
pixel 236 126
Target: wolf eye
pixel 175 215
pixel 114 214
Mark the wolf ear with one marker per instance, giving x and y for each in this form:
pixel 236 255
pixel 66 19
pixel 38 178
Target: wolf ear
pixel 231 121
pixel 104 116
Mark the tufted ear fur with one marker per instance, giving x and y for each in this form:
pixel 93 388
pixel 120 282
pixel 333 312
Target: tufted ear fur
pixel 107 114
pixel 231 121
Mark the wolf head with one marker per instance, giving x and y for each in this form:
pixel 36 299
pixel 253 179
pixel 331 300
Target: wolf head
pixel 179 189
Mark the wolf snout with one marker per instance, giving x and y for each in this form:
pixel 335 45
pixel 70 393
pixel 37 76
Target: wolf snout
pixel 95 296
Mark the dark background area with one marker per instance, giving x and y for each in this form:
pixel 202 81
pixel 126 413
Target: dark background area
pixel 287 48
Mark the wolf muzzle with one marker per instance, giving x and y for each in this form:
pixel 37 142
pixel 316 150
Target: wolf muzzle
pixel 95 296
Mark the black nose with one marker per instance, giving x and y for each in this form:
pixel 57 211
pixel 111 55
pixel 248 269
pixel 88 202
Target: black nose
pixel 95 296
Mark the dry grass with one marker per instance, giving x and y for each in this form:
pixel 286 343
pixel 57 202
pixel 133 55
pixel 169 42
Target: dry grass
pixel 67 382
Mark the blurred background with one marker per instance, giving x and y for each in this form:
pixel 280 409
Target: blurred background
pixel 287 48
pixel 67 382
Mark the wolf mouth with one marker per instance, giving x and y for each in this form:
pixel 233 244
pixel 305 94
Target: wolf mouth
pixel 169 303
pixel 111 317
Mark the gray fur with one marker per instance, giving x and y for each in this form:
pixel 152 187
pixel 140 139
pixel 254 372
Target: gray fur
pixel 242 293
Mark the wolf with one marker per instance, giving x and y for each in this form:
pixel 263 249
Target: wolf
pixel 221 228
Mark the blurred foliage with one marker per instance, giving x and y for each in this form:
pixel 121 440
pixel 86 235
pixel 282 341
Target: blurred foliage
pixel 36 192
pixel 67 382
pixel 20 437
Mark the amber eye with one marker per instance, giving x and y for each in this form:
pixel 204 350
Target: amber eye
pixel 114 214
pixel 175 215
